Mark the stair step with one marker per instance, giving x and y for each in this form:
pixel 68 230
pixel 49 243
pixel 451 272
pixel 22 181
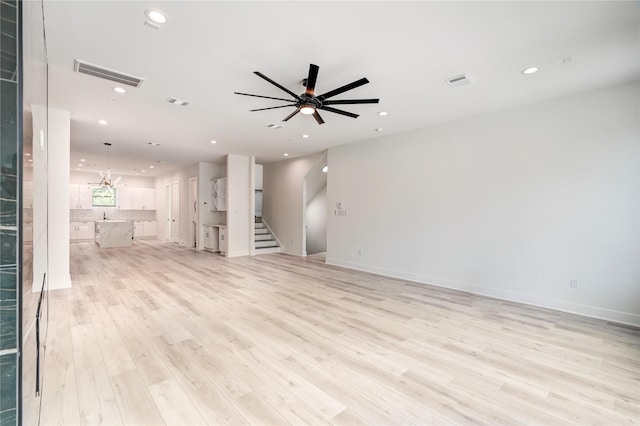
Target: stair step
pixel 261 231
pixel 259 225
pixel 268 243
pixel 263 237
pixel 268 250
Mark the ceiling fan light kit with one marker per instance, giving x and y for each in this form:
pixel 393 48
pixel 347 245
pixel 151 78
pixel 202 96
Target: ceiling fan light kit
pixel 308 103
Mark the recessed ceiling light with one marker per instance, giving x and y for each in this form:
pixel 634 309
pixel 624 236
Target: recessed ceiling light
pixel 156 16
pixel 30 160
pixel 382 113
pixel 119 90
pixel 151 167
pixel 102 122
pixel 82 159
pixel 214 142
pixel 530 70
pixel 80 164
pixel 305 136
pixel 379 129
pixel 286 155
pixel 325 169
pixel 27 155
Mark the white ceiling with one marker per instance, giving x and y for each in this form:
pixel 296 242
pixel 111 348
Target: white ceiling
pixel 208 50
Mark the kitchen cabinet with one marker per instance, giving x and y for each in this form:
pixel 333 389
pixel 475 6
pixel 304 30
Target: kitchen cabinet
pixel 222 240
pixel 79 231
pixel 144 198
pixel 219 194
pixel 142 229
pixel 80 196
pixel 150 228
pixel 124 198
pixel 211 238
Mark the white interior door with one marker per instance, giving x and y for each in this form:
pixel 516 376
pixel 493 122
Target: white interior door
pixel 193 212
pixel 168 209
pixel 175 211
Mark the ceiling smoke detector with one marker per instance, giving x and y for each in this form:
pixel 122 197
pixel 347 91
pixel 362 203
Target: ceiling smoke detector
pixel 460 80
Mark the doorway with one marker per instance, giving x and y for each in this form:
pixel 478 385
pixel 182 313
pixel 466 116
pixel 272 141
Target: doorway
pixel 314 209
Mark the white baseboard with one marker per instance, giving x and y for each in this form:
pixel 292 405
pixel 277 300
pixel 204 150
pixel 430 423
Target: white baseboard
pixel 544 302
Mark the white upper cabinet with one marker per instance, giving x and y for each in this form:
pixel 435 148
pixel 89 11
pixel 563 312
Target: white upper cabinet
pixel 124 197
pixel 80 196
pixel 144 198
pixel 127 198
pixel 149 198
pixel 219 194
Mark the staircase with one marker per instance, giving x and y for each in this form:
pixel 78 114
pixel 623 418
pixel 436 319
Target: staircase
pixel 265 242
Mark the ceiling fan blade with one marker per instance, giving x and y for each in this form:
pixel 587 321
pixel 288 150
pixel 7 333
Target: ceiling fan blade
pixel 352 101
pixel 311 80
pixel 339 111
pixel 281 106
pixel 292 114
pixel 117 180
pixel 342 89
pixel 259 74
pixel 318 118
pixel 260 96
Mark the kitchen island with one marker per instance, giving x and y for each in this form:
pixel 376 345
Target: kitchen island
pixel 114 233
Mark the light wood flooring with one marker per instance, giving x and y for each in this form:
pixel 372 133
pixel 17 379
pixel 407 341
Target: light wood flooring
pixel 160 334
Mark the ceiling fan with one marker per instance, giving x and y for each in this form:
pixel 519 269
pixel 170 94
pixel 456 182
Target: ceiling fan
pixel 308 103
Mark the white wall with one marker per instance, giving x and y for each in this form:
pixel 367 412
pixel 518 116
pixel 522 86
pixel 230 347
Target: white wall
pixel 512 204
pixel 283 200
pixel 316 219
pixel 206 172
pixel 240 186
pixel 181 175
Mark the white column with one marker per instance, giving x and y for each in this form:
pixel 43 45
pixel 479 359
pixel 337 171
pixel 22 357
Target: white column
pixel 239 214
pixel 51 147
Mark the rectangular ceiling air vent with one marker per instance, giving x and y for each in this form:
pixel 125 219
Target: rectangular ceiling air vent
pixel 461 80
pixel 177 101
pixel 106 73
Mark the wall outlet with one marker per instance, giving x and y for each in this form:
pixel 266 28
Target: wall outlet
pixel 574 284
